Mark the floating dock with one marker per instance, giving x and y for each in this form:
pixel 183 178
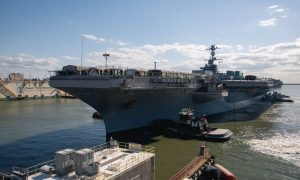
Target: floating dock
pixel 112 160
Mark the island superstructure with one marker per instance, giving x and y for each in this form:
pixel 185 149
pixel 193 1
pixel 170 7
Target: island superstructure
pixel 132 98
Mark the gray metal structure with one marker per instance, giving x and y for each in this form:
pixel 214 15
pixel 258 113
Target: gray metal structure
pixel 83 159
pixel 64 162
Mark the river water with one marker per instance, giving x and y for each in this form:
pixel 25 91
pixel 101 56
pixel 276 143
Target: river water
pixel 267 147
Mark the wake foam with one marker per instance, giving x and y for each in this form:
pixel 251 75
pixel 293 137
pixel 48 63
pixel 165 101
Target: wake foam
pixel 285 146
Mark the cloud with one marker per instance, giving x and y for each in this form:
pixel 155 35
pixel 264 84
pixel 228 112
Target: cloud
pixel 279 10
pixel 69 58
pixel 36 66
pixel 239 47
pixel 24 55
pixel 93 38
pixel 277 60
pixel 121 43
pixel 280 60
pixel 275 14
pixel 187 50
pixel 283 16
pixel 276 11
pixel 99 39
pixel 268 22
pixel 273 7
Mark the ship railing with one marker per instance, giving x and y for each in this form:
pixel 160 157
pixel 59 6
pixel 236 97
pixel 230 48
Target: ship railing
pixel 115 168
pixel 248 80
pixel 34 169
pixel 137 147
pixel 4 176
pixel 168 85
pixel 159 83
pixel 131 146
pixel 87 77
pixel 161 79
pixel 123 145
pixel 119 167
pixel 100 147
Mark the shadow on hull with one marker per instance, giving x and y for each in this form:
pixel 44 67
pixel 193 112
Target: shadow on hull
pixel 146 135
pixel 243 114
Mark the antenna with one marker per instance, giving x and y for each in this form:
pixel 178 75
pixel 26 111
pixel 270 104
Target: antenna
pixel 81 55
pixel 155 65
pixel 212 48
pixel 81 51
pixel 210 66
pixel 106 55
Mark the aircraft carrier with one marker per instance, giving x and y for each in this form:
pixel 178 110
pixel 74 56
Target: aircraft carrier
pixel 132 98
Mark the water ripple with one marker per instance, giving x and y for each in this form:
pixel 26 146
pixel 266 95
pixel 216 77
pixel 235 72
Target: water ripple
pixel 285 146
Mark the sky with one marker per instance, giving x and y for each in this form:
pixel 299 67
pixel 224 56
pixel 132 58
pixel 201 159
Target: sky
pixel 256 37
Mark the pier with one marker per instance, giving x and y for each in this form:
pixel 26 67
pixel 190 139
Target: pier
pixel 193 166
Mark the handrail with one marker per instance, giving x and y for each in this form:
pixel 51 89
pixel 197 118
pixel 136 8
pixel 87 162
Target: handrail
pixel 35 168
pixel 116 168
pixel 100 147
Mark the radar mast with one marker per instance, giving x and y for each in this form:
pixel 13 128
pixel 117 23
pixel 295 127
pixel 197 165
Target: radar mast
pixel 210 66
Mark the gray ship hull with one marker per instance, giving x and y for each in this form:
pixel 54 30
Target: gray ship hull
pixel 130 99
pixel 129 109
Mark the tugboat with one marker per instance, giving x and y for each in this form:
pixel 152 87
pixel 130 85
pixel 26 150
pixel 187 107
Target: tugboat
pixel 276 97
pixel 197 126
